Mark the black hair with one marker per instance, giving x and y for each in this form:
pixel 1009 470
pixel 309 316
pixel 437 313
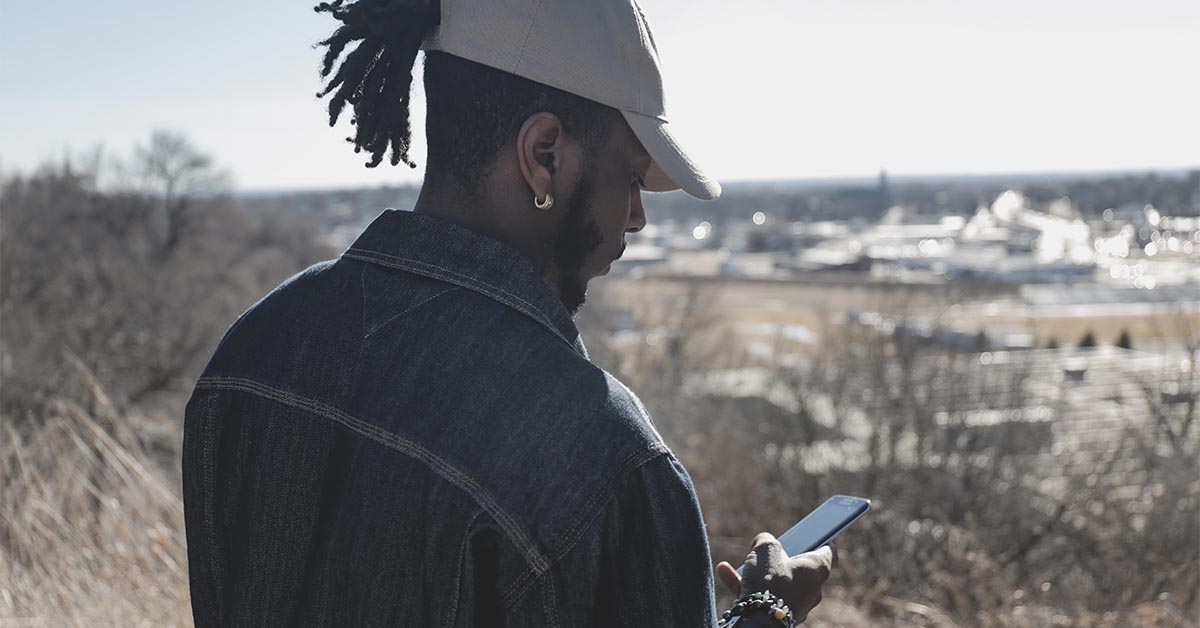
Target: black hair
pixel 473 110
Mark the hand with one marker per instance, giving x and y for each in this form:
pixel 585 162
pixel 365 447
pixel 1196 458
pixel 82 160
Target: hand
pixel 796 579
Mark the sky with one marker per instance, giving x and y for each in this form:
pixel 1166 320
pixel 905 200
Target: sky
pixel 756 89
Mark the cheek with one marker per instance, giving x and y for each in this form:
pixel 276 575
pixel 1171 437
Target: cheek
pixel 614 212
pixel 612 233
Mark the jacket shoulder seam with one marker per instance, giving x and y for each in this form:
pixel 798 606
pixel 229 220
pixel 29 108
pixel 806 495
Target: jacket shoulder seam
pixel 443 469
pixel 396 316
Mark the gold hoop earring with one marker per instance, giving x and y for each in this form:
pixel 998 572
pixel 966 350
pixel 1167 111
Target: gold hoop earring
pixel 546 205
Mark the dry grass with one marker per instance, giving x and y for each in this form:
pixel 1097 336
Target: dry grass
pixel 91 533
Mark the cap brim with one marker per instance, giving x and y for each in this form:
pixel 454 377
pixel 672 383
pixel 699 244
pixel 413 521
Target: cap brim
pixel 670 167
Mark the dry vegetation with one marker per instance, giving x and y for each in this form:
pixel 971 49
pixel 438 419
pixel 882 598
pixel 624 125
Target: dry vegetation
pixel 92 531
pixel 110 301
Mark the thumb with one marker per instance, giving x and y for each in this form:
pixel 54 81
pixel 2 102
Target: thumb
pixel 730 577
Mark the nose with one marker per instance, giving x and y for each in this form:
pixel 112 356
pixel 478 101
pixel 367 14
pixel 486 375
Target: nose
pixel 637 213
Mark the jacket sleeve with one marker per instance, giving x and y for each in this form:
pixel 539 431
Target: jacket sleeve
pixel 642 560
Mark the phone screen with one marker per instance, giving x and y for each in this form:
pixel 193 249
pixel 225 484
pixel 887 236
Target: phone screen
pixel 822 524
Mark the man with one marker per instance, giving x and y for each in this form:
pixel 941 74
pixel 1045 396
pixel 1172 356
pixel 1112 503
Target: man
pixel 412 434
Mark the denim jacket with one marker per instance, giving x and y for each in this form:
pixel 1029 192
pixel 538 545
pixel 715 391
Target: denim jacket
pixel 412 434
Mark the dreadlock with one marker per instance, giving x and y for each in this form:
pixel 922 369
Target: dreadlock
pixel 376 76
pixel 473 110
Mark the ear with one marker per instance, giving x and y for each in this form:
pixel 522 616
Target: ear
pixel 543 152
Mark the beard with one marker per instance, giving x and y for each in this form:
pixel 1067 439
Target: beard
pixel 577 240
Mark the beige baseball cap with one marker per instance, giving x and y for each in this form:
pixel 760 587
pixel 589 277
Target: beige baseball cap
pixel 599 49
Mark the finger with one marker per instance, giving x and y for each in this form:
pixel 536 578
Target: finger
pixel 763 538
pixel 730 577
pixel 821 559
pixel 825 555
pixel 766 551
pixel 833 548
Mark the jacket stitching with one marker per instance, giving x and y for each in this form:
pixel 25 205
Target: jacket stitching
pixel 398 262
pixel 210 506
pixel 463 549
pixel 465 281
pixel 550 602
pixel 444 469
pixel 573 532
pixel 587 512
pixel 406 310
pixel 362 277
pixel 468 281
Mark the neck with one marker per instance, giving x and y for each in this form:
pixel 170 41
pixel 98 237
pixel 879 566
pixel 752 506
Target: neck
pixel 489 215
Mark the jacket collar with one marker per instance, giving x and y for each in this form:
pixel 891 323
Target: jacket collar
pixel 446 251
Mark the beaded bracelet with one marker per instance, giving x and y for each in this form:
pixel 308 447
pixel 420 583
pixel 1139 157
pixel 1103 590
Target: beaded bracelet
pixel 765 602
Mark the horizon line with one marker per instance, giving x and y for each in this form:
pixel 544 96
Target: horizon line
pixel 1025 176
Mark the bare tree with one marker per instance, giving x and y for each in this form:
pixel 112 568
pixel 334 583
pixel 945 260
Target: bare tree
pixel 139 320
pixel 175 170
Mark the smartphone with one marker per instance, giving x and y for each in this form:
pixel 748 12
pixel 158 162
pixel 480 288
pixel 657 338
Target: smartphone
pixel 821 525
